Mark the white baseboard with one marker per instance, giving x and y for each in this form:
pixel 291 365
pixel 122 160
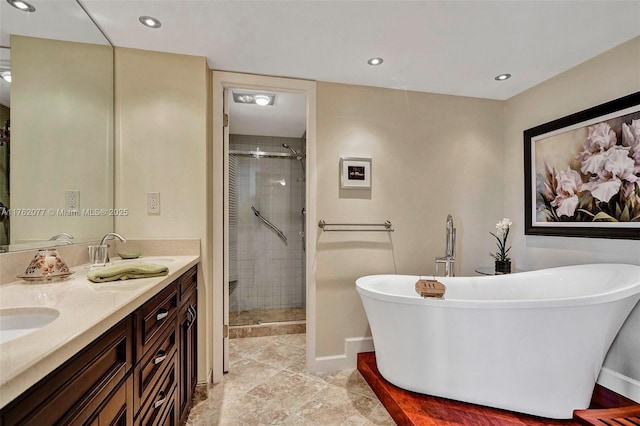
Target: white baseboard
pixel 349 360
pixel 619 383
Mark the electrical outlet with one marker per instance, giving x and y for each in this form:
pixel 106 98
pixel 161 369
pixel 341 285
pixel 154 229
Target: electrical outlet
pixel 72 199
pixel 153 203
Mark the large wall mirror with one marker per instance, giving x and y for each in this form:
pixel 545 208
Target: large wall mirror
pixel 56 116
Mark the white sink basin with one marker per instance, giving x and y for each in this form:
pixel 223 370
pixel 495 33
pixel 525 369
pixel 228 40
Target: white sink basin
pixel 18 322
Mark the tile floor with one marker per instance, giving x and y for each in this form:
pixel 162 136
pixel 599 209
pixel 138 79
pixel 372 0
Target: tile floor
pixel 267 384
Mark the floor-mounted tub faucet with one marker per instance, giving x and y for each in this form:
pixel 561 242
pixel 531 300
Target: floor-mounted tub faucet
pixel 449 258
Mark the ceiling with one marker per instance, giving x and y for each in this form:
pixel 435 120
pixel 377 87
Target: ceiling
pixel 449 47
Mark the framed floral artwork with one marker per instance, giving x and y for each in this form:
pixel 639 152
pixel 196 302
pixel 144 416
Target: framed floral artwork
pixel 582 173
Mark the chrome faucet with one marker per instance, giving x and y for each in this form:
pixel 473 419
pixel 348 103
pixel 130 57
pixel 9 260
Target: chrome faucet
pixel 110 236
pixel 449 258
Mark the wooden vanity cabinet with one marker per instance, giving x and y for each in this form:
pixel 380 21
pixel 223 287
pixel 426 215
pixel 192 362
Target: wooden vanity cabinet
pixel 140 372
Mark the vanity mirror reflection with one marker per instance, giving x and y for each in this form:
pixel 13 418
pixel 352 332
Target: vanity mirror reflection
pixel 56 152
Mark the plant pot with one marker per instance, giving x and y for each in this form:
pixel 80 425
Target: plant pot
pixel 503 267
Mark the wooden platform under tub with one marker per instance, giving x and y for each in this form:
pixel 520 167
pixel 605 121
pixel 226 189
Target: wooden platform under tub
pixel 410 408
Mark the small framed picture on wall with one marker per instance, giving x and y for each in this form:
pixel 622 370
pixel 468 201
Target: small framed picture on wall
pixel 355 173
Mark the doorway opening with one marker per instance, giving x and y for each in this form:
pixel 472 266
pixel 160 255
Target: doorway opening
pixel 266 213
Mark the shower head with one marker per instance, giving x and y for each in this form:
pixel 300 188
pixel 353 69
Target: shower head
pixel 299 157
pixel 284 145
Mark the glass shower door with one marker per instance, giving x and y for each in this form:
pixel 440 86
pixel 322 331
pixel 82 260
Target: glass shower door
pixel 266 206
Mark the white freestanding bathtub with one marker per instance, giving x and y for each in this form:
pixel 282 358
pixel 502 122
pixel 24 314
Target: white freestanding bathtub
pixel 531 342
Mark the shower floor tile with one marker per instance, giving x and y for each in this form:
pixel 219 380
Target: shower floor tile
pixel 267 383
pixel 268 329
pixel 266 315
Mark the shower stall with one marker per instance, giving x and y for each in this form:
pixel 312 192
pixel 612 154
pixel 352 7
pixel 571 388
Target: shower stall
pixel 266 233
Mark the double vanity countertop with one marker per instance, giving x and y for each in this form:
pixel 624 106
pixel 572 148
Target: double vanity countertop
pixel 86 311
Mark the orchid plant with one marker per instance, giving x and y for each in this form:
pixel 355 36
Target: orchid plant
pixel 501 236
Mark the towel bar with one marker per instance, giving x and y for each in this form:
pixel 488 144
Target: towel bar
pixel 356 227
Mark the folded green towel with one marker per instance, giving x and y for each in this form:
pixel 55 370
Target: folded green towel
pixel 127 271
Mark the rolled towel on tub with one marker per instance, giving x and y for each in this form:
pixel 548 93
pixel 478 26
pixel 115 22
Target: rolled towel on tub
pixel 127 271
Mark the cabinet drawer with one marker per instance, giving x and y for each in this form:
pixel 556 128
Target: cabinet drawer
pixel 169 417
pixel 73 392
pixel 153 316
pixel 187 281
pixel 162 396
pixel 153 364
pixel 118 410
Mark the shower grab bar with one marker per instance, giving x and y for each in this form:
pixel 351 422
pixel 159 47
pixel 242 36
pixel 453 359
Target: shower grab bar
pixel 269 224
pixel 356 227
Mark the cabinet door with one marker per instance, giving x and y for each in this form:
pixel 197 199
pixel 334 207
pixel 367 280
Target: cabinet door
pixel 188 356
pixel 192 345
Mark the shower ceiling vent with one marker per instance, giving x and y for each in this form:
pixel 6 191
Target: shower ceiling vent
pixel 262 99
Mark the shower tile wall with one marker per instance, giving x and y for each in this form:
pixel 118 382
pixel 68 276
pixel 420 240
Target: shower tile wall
pixel 270 272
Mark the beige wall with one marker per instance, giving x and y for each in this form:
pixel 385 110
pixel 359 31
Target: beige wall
pixel 431 155
pixel 162 104
pixel 608 76
pixel 61 136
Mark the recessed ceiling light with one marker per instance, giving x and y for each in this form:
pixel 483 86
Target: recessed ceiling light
pixel 150 21
pixel 375 61
pixel 22 5
pixel 6 76
pixel 261 99
pixel 503 77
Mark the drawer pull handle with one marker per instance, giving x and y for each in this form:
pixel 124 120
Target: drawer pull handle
pixel 162 314
pixel 160 401
pixel 162 355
